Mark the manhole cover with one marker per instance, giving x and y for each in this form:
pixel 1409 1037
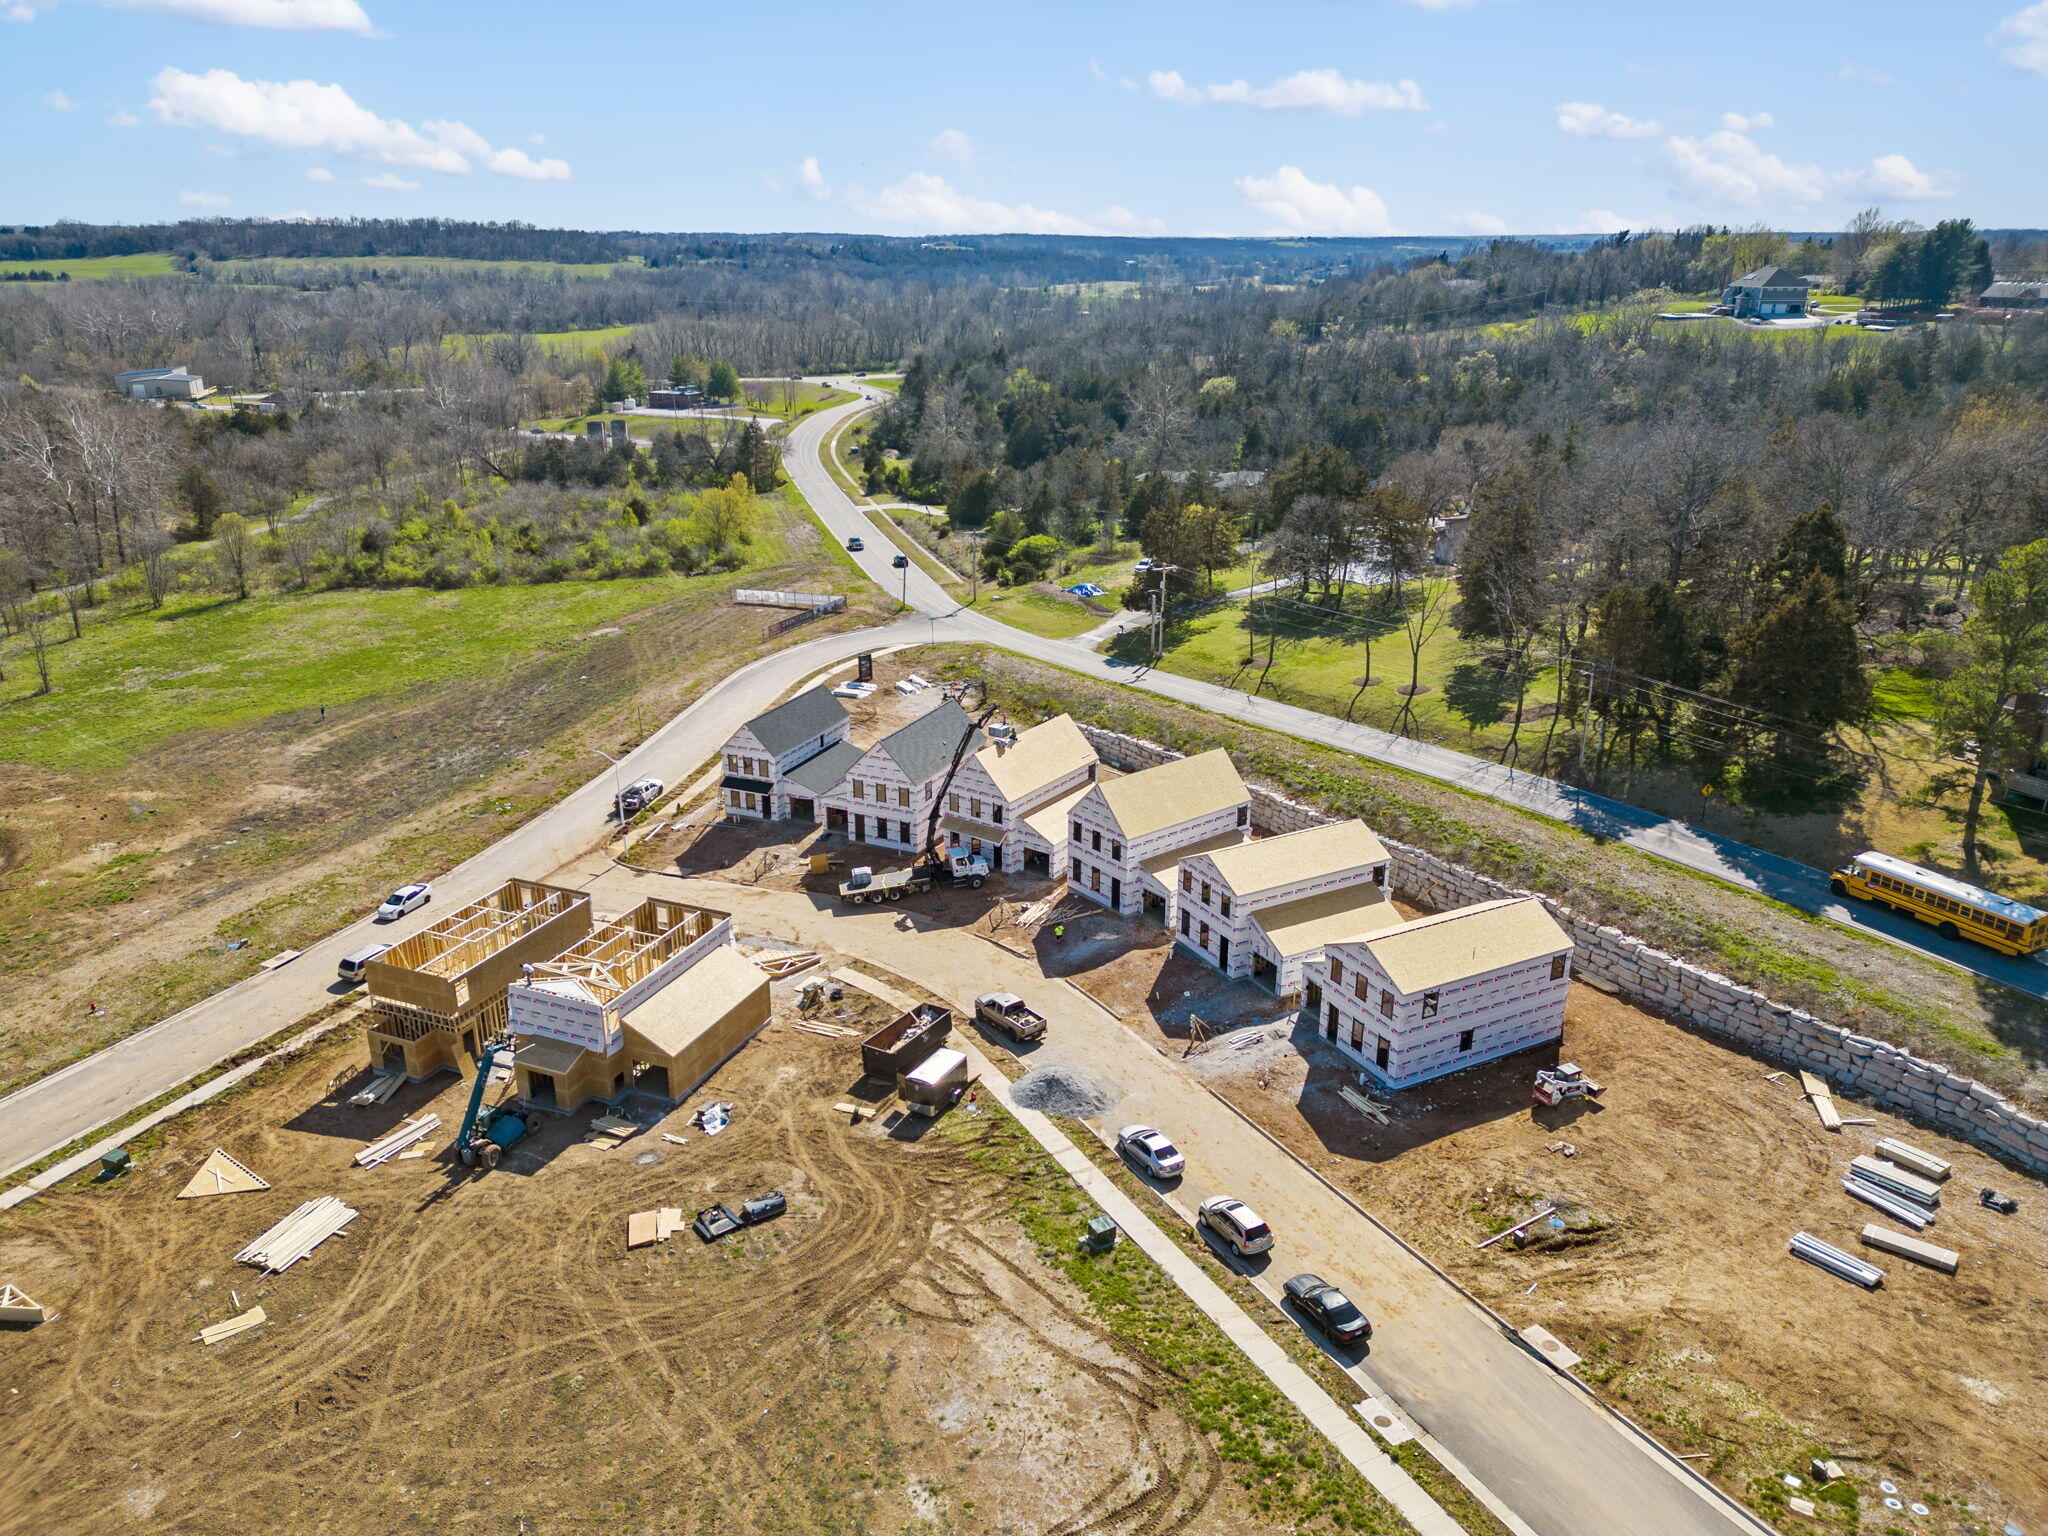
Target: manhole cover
pixel 1381 1421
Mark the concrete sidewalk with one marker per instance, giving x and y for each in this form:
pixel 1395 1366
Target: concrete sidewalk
pixel 1331 1421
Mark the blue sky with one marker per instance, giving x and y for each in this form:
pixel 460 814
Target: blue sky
pixel 901 116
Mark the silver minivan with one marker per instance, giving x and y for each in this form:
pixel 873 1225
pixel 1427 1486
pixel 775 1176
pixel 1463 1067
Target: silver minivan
pixel 353 967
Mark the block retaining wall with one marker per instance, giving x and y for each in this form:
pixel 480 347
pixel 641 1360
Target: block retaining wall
pixel 1665 984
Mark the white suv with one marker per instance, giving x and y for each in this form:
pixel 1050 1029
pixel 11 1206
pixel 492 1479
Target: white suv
pixel 1236 1224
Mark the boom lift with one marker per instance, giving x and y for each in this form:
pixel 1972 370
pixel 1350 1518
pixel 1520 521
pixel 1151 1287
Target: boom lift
pixel 484 1139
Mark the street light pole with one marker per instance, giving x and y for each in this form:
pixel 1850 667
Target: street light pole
pixel 618 791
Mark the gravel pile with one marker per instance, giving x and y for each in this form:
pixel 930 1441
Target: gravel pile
pixel 1060 1089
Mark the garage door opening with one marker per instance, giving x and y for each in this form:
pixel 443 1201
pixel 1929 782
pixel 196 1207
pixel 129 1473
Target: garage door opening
pixel 648 1078
pixel 1265 972
pixel 802 810
pixel 1155 907
pixel 1036 863
pixel 540 1089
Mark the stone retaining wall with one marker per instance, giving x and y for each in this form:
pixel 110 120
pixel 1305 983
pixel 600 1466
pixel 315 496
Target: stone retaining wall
pixel 1667 985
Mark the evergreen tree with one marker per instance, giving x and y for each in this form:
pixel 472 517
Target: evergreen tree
pixel 722 382
pixel 1801 668
pixel 1498 565
pixel 1816 541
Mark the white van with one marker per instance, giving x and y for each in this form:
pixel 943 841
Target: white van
pixel 353 967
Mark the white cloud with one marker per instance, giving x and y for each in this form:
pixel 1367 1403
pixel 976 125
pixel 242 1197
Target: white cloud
pixel 1735 122
pixel 57 101
pixel 1729 168
pixel 1309 90
pixel 1096 71
pixel 2028 30
pixel 927 203
pixel 303 114
pixel 1896 176
pixel 1441 5
pixel 124 120
pixel 319 173
pixel 1639 70
pixel 202 199
pixel 269 15
pixel 1605 221
pixel 951 144
pixel 1590 120
pixel 1862 74
pixel 390 181
pixel 811 179
pixel 536 138
pixel 1302 206
pixel 1473 222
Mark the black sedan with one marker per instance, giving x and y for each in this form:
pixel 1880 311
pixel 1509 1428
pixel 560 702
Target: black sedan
pixel 1329 1309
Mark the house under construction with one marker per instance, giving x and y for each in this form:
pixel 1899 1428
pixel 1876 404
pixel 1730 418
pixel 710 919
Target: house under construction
pixel 438 998
pixel 651 1001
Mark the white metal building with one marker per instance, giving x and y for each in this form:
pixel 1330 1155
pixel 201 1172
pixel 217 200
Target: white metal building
pixel 1127 836
pixel 1423 998
pixel 1263 909
pixel 765 751
pixel 1010 803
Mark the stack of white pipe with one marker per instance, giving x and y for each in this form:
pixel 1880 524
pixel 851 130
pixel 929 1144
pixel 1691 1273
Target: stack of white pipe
pixel 1830 1258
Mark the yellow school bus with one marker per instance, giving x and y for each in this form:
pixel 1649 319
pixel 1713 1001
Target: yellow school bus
pixel 1956 908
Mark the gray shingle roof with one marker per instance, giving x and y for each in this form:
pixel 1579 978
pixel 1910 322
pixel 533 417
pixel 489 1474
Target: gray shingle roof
pixel 1771 277
pixel 925 747
pixel 804 718
pixel 819 774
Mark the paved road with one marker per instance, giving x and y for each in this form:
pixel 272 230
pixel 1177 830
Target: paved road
pixel 55 1110
pixel 1769 874
pixel 1553 1455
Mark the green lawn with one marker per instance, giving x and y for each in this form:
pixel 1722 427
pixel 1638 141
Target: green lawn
pixel 1318 662
pixel 1039 612
pixel 889 381
pixel 141 264
pixel 768 397
pixel 715 427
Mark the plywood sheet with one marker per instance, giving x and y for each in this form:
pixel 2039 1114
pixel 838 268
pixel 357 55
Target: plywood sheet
pixel 643 1228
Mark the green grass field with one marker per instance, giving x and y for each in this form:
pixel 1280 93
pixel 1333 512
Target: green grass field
pixel 205 663
pixel 142 264
pixel 595 342
pixel 769 397
pixel 1040 613
pixel 889 381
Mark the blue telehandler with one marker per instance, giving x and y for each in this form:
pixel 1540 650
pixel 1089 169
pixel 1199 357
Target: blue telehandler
pixel 484 1138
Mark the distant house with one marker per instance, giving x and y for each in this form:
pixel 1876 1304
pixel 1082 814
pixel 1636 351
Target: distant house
pixel 1416 1000
pixel 1768 293
pixel 1126 837
pixel 1263 909
pixel 765 757
pixel 2014 296
pixel 1225 480
pixel 682 398
pixel 177 383
pixel 1448 540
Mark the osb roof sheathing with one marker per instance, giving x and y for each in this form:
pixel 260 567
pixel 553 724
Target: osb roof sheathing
pixel 1270 862
pixel 1166 796
pixel 1328 917
pixel 1450 946
pixel 1050 750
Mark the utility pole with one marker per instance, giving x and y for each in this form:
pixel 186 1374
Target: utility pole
pixel 618 792
pixel 1585 719
pixel 1159 613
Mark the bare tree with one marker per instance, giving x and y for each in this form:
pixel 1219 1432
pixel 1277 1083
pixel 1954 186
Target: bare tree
pixel 234 548
pixel 1424 620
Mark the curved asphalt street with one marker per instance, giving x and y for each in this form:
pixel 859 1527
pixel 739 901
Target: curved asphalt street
pixel 1768 874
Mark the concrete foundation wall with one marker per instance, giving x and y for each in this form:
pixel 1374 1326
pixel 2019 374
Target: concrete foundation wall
pixel 1883 1074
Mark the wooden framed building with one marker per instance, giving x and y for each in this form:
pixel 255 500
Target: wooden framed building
pixel 650 1001
pixel 438 998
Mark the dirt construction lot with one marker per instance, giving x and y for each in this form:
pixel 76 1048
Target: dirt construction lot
pixel 1671 1275
pixel 481 1352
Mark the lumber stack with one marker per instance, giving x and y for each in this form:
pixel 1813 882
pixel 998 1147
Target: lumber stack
pixel 381 1088
pixel 1899 1210
pixel 1885 1241
pixel 1913 1160
pixel 1894 1180
pixel 1827 1256
pixel 387 1147
pixel 298 1235
pixel 1823 1100
pixel 234 1325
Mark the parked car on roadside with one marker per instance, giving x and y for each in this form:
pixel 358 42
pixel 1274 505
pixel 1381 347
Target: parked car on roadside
pixel 355 966
pixel 1334 1313
pixel 407 898
pixel 1151 1151
pixel 1236 1224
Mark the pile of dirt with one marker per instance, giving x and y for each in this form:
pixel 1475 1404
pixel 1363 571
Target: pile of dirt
pixel 1059 1088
